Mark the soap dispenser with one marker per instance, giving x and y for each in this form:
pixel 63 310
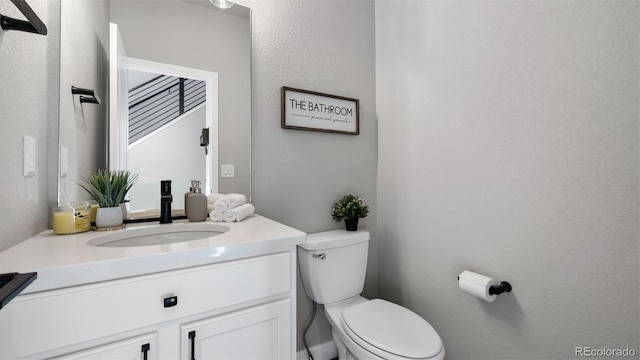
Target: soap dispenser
pixel 186 195
pixel 196 203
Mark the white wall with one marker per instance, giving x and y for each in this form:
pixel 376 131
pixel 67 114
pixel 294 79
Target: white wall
pixel 324 46
pixel 28 106
pixel 180 33
pixel 508 145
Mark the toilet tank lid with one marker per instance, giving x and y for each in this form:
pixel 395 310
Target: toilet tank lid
pixel 334 238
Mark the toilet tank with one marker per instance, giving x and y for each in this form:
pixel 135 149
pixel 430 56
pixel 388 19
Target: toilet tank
pixel 333 264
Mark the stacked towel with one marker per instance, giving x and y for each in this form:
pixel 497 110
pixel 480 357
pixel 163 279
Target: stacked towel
pixel 229 201
pixel 211 199
pixel 238 213
pixel 216 215
pixel 229 208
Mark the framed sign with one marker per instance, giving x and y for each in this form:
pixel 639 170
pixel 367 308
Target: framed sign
pixel 310 110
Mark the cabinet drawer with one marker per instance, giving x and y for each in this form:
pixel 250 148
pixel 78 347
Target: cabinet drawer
pixel 139 347
pixel 36 323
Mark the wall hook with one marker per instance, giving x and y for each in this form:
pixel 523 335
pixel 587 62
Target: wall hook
pixel 32 25
pixel 86 95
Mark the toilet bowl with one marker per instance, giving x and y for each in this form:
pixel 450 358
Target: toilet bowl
pixel 333 266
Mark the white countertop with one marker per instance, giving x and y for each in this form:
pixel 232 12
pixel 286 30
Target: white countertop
pixel 67 260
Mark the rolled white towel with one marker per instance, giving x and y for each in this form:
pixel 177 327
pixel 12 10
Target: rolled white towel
pixel 211 198
pixel 216 215
pixel 238 213
pixel 229 201
pixel 210 208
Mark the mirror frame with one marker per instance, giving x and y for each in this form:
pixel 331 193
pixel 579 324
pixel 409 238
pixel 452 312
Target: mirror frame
pixel 54 182
pixel 116 126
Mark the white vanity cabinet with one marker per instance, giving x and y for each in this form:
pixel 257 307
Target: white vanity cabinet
pixel 141 347
pixel 254 333
pixel 236 309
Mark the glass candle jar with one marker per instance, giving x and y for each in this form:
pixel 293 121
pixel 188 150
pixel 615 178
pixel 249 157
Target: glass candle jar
pixel 93 206
pixel 71 219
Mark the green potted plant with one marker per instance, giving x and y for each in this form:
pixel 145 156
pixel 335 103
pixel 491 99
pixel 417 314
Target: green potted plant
pixel 109 188
pixel 350 208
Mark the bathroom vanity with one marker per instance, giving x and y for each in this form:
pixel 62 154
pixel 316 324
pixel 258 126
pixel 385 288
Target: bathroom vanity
pixel 227 294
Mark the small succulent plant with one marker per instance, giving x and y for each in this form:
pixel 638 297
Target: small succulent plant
pixel 349 207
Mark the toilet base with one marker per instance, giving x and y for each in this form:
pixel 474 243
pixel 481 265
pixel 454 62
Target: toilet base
pixel 345 354
pixel 347 348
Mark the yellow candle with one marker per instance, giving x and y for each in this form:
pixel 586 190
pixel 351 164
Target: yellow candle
pixel 94 209
pixel 82 219
pixel 63 221
pixel 71 219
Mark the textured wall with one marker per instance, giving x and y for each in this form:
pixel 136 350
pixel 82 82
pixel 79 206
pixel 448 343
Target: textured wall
pixel 325 46
pixel 28 106
pixel 33 72
pixel 509 146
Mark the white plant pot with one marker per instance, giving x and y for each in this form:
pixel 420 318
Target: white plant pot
pixel 109 217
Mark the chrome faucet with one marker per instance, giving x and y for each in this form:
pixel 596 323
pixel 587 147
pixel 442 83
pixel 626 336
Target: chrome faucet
pixel 165 201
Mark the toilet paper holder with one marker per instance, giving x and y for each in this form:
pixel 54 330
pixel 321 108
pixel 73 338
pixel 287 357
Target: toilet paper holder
pixel 500 288
pixel 503 287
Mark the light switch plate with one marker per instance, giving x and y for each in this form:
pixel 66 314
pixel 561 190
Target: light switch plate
pixel 29 156
pixel 227 170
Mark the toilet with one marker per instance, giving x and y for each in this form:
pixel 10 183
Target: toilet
pixel 333 266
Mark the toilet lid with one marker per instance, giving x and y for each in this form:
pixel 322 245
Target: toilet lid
pixel 385 328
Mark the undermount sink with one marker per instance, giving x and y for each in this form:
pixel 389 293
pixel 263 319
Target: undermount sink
pixel 158 235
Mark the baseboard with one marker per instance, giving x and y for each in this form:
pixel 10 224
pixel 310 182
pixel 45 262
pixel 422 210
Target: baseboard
pixel 326 351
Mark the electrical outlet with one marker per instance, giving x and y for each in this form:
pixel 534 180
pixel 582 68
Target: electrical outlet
pixel 227 170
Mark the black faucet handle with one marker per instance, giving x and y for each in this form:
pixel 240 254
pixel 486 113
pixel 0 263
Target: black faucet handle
pixel 165 187
pixel 165 201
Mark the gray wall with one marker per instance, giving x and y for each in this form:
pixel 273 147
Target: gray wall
pixel 84 63
pixel 324 46
pixel 33 72
pixel 509 146
pixel 28 106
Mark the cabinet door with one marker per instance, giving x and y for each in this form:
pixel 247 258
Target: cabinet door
pixel 262 332
pixel 138 348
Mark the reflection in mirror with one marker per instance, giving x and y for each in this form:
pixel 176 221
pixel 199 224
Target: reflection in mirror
pixel 83 63
pixel 168 118
pixel 193 34
pixel 161 108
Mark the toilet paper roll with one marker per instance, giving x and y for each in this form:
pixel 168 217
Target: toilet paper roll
pixel 477 285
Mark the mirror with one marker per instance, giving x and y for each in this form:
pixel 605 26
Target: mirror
pixel 165 121
pixel 186 33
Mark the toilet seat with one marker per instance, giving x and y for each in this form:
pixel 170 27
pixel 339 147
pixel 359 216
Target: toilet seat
pixel 391 331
